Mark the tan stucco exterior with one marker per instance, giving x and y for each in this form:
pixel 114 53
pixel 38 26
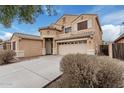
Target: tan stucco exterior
pixel 27 47
pixel 66 23
pixel 54 40
pixel 93 34
pixel 48 33
pixel 110 50
pixel 31 47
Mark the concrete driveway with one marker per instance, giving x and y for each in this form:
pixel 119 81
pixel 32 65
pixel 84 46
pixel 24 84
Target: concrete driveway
pixel 35 73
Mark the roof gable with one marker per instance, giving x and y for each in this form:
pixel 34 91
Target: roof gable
pixel 66 15
pixel 84 15
pixel 93 15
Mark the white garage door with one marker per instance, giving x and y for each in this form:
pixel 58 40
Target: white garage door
pixel 72 47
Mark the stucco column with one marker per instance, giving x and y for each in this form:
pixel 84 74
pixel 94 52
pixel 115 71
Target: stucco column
pixel 43 48
pixel 90 47
pixel 17 48
pixel 110 50
pixel 54 47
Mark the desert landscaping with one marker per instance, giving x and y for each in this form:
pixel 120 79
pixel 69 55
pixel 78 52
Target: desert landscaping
pixel 75 49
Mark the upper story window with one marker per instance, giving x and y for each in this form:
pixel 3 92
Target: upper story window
pixel 68 29
pixel 14 45
pixel 82 25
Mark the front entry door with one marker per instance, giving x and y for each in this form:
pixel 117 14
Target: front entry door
pixel 49 45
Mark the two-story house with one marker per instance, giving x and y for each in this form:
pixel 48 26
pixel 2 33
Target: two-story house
pixel 72 34
pixel 69 34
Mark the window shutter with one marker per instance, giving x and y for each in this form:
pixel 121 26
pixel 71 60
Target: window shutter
pixel 89 23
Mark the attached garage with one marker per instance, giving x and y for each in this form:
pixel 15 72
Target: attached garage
pixel 26 45
pixel 72 47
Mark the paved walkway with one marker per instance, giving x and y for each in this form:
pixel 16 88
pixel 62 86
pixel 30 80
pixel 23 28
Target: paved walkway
pixel 34 73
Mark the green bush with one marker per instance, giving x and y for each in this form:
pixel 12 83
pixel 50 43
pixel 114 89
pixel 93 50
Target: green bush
pixel 7 56
pixel 88 71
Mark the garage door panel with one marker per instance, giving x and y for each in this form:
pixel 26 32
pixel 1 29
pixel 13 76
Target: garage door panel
pixel 72 48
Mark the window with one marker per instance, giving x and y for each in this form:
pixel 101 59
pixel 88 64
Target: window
pixel 14 45
pixel 59 43
pixel 76 42
pixel 82 25
pixel 68 29
pixel 72 42
pixel 84 41
pixel 62 43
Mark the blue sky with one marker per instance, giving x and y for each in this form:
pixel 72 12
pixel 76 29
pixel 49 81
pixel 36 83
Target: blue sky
pixel 110 19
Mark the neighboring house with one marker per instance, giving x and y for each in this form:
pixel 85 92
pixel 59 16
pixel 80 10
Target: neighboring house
pixel 116 48
pixel 26 45
pixel 120 39
pixel 5 45
pixel 72 34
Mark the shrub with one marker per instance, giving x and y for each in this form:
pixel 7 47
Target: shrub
pixel 79 70
pixel 111 73
pixel 90 71
pixel 6 56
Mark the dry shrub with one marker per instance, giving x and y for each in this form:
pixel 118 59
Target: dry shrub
pixel 79 70
pixel 88 71
pixel 7 56
pixel 111 73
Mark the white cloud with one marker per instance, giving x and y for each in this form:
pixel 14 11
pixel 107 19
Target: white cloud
pixel 5 35
pixel 111 32
pixel 115 17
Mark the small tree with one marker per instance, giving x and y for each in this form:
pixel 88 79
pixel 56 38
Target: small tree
pixel 22 13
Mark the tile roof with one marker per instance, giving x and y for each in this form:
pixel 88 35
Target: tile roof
pixel 22 35
pixel 49 27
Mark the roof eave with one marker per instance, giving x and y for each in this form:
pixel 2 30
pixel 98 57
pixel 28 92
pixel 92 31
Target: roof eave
pixel 49 29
